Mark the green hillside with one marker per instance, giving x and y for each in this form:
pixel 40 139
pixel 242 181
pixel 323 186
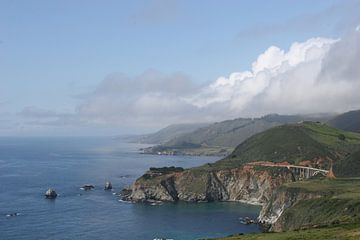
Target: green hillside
pixel 348 167
pixel 349 121
pixel 294 143
pixel 223 137
pixel 336 232
pixel 335 214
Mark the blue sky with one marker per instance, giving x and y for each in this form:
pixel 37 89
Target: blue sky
pixel 53 53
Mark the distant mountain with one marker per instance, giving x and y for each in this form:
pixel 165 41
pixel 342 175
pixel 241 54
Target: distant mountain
pixel 222 137
pixel 349 121
pixel 167 133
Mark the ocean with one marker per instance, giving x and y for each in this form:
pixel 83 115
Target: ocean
pixel 29 166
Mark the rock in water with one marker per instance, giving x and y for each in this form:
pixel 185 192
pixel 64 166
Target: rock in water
pixel 50 193
pixel 108 186
pixel 12 214
pixel 87 187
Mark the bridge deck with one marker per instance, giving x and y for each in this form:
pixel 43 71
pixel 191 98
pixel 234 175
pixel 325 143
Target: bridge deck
pixel 289 166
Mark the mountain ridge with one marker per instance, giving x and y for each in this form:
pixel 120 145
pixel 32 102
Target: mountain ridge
pixel 221 138
pixel 348 121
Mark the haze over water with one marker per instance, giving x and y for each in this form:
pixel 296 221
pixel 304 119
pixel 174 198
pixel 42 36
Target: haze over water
pixel 28 166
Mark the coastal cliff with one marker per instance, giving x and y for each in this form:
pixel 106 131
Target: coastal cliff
pixel 281 200
pixel 314 203
pixel 256 173
pixel 244 184
pixel 286 204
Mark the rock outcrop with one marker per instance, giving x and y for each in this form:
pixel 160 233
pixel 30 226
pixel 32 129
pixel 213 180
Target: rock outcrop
pixel 248 184
pixel 281 200
pixel 51 194
pixel 244 184
pixel 108 186
pixel 87 187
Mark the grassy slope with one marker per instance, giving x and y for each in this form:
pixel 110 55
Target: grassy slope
pixel 340 203
pixel 219 138
pixel 294 143
pixel 349 167
pixel 340 232
pixel 336 215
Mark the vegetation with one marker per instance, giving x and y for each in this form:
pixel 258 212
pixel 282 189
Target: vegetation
pixel 334 232
pixel 165 170
pixel 349 167
pixel 337 202
pixel 224 135
pixel 334 214
pixel 294 143
pixel 191 150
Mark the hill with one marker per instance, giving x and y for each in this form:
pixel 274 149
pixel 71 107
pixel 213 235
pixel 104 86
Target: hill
pixel 333 214
pixel 297 143
pixel 335 232
pixel 349 121
pixel 289 201
pixel 222 137
pixel 167 133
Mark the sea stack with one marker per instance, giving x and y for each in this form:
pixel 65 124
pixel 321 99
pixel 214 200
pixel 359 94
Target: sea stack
pixel 50 194
pixel 108 186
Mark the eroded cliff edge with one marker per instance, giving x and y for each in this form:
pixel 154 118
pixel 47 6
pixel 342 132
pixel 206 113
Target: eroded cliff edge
pixel 245 184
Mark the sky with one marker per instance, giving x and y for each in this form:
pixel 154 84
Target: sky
pixel 122 67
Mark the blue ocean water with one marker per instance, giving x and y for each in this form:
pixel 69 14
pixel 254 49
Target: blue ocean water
pixel 29 166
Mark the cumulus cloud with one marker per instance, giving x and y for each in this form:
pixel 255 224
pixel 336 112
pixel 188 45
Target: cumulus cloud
pixel 278 82
pixel 318 75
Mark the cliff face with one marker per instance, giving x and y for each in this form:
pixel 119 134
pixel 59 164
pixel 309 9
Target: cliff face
pixel 307 204
pixel 238 184
pixel 280 201
pixel 286 205
pixel 274 212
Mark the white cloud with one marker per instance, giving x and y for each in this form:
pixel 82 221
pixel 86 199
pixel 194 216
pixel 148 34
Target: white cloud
pixel 318 75
pixel 275 74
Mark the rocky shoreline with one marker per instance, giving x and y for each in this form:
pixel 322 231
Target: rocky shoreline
pixel 244 184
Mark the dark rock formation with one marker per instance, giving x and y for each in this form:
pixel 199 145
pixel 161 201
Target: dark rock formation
pixel 51 194
pixel 13 214
pixel 108 186
pixel 87 187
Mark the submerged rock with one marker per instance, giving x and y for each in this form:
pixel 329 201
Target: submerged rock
pixel 108 186
pixel 13 214
pixel 51 193
pixel 87 187
pixel 247 221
